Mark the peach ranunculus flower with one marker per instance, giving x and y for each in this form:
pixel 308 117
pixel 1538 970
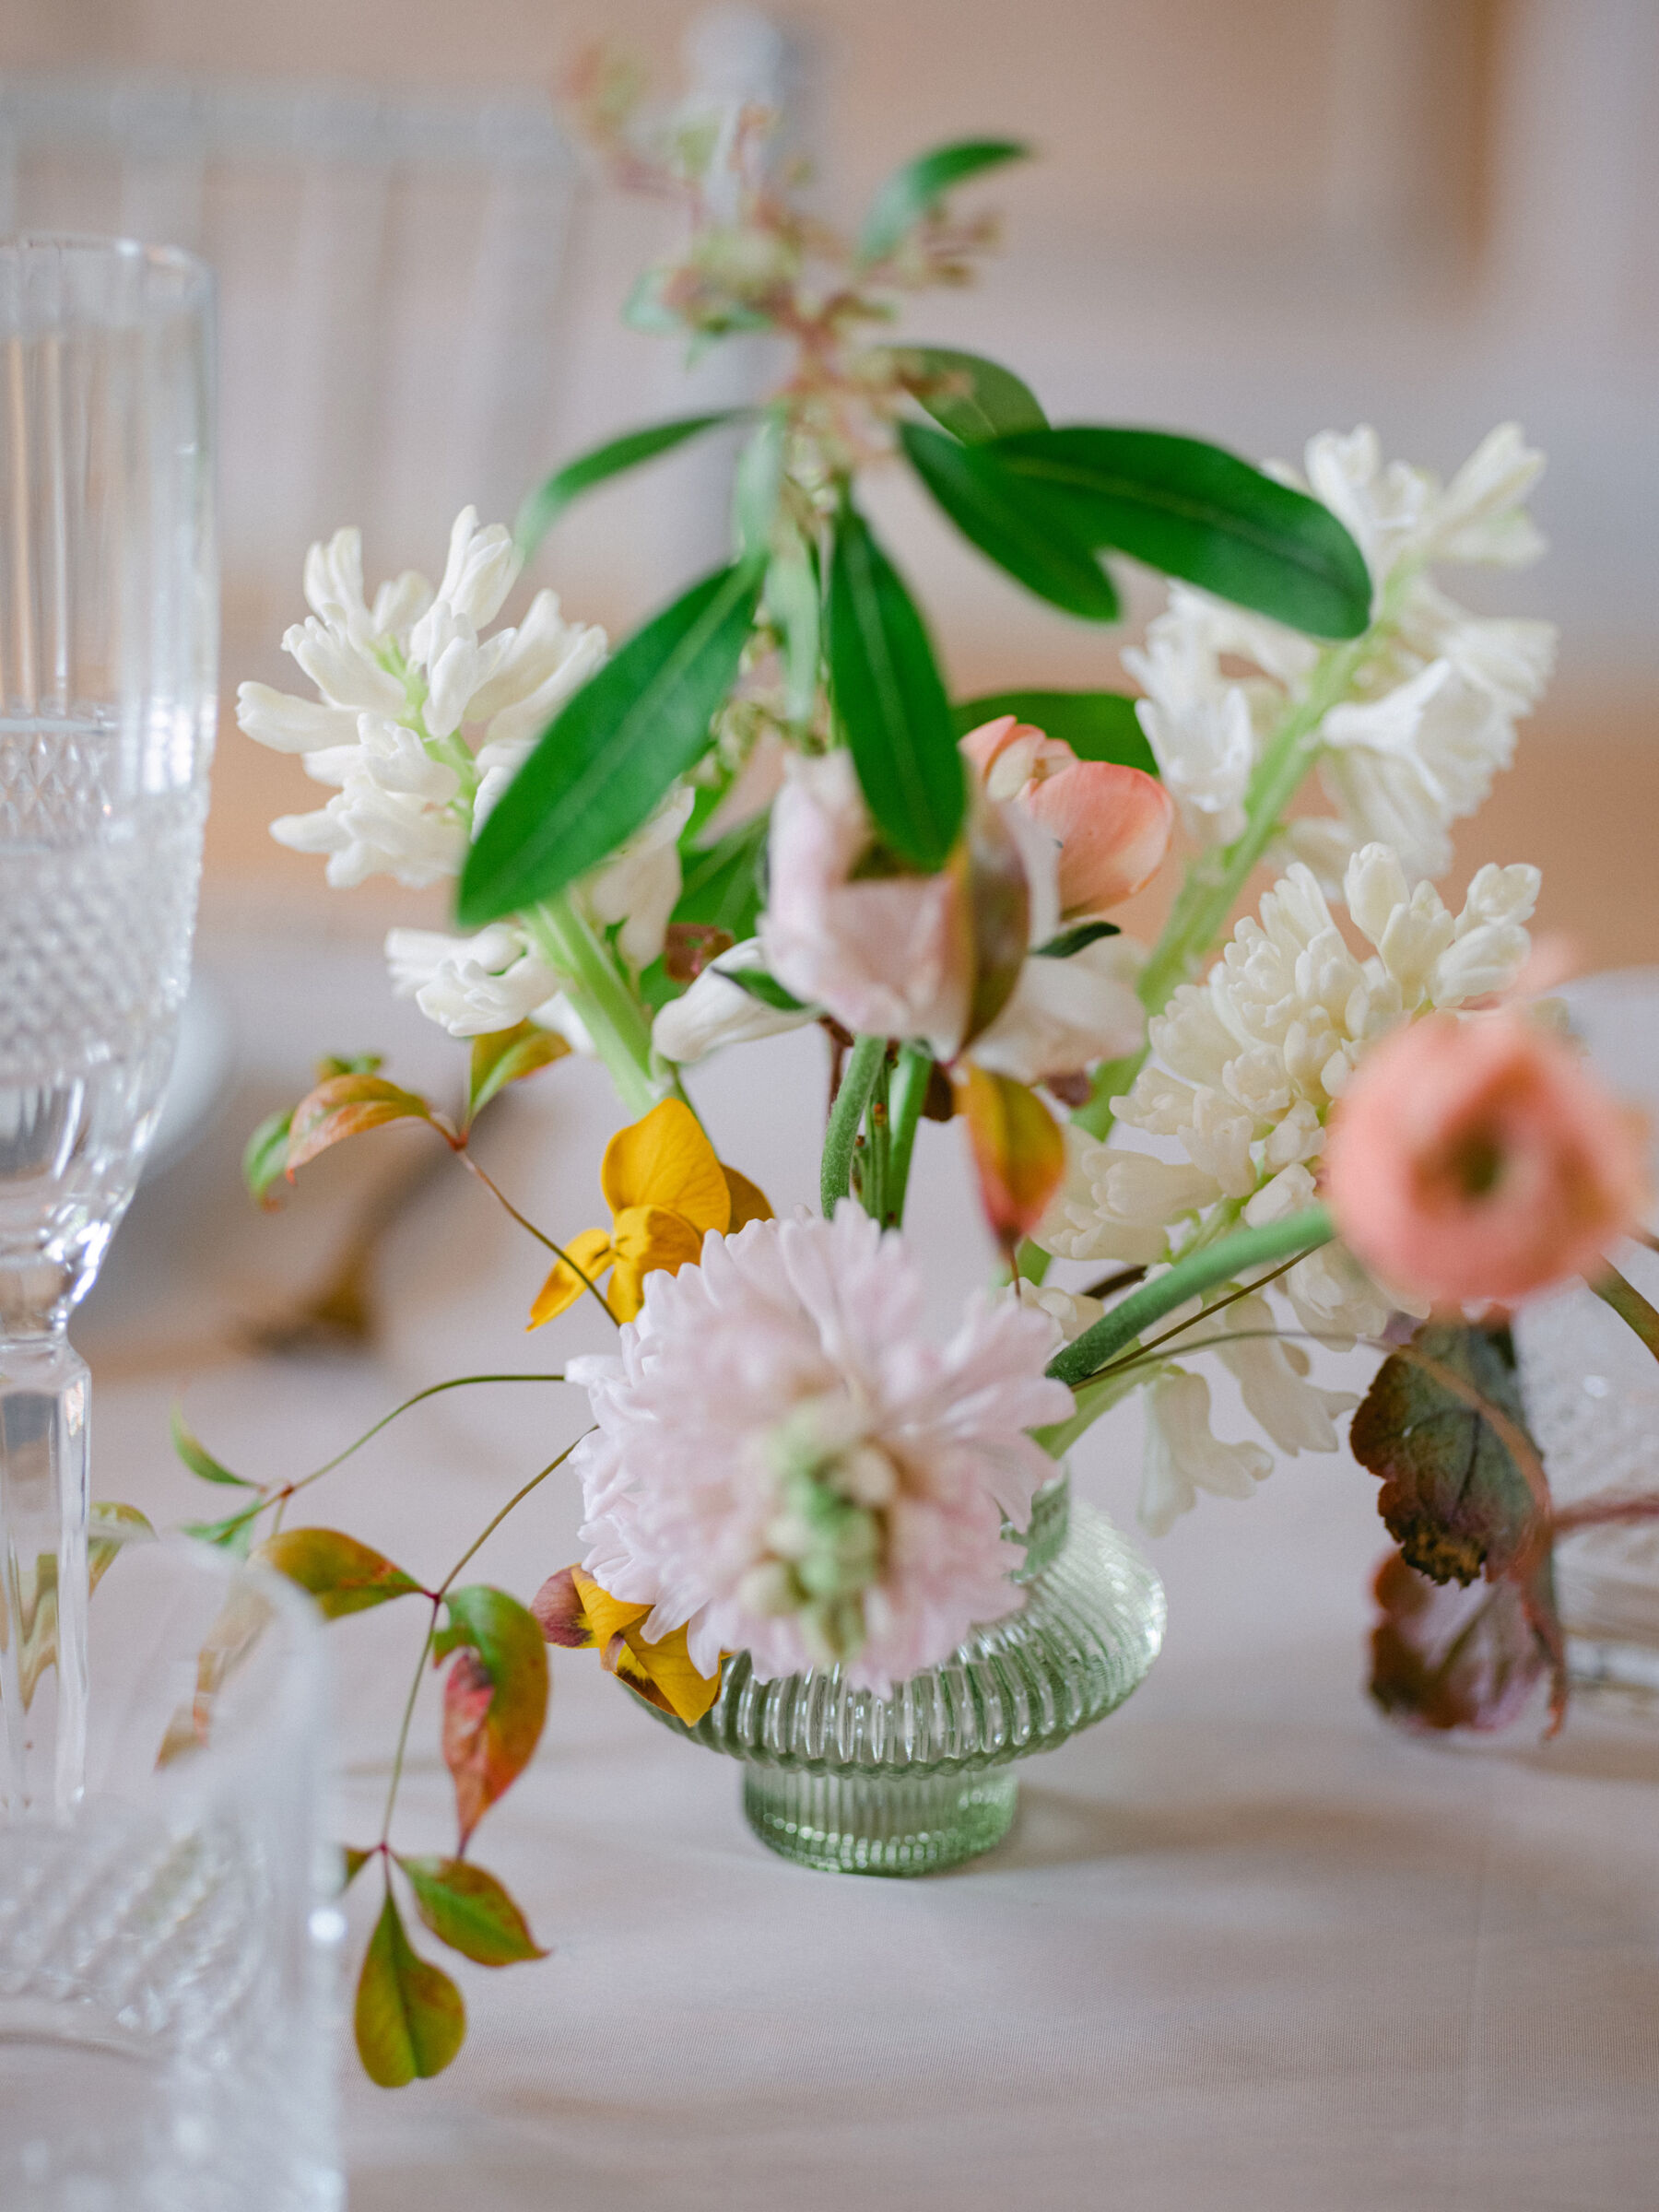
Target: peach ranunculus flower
pixel 1112 823
pixel 1480 1159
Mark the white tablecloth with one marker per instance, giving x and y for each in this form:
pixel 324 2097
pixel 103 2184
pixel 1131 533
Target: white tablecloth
pixel 1247 1948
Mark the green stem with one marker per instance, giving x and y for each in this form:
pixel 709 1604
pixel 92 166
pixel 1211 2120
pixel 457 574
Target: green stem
pixel 1081 1360
pixel 908 1094
pixel 858 1080
pixel 610 1008
pixel 402 1733
pixel 1629 1305
pixel 877 1142
pixel 433 1390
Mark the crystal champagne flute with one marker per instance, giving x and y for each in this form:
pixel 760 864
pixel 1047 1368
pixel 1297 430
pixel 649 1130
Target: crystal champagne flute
pixel 108 649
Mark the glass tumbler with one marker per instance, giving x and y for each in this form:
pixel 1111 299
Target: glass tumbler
pixel 167 2030
pixel 108 654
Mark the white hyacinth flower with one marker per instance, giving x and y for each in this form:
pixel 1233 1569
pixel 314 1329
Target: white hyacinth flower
pixel 471 986
pixel 1430 719
pixel 1180 1455
pixel 414 664
pixel 716 1011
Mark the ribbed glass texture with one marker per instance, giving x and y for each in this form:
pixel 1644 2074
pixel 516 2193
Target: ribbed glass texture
pixel 858 1782
pixel 167 1950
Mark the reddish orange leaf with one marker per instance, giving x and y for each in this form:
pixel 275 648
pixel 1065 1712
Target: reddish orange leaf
pixel 495 1700
pixel 341 1574
pixel 345 1106
pixel 1017 1149
pixel 508 1056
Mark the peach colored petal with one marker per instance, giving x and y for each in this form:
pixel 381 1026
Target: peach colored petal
pixel 1481 1160
pixel 1114 824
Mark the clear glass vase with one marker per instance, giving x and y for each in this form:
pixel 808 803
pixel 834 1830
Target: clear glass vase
pixel 108 649
pixel 854 1782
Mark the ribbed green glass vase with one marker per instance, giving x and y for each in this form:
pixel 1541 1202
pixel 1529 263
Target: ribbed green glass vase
pixel 858 1782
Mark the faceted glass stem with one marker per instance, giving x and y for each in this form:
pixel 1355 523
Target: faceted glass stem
pixel 44 1583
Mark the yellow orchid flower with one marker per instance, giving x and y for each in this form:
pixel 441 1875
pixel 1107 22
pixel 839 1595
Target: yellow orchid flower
pixel 665 1188
pixel 574 1611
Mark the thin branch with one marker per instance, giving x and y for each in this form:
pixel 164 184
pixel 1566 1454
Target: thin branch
pixel 557 1249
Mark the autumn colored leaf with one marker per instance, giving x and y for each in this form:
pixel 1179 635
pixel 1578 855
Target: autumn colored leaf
pixel 1442 1424
pixel 495 1699
pixel 1017 1149
pixel 343 1575
pixel 410 2019
pixel 508 1056
pixel 108 1532
pixel 352 1863
pixel 1448 1656
pixel 998 907
pixel 470 1911
pixel 346 1106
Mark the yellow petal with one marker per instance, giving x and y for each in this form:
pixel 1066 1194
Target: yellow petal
pixel 750 1202
pixel 649 1237
pixel 607 1615
pixel 592 1252
pixel 669 1666
pixel 667 1161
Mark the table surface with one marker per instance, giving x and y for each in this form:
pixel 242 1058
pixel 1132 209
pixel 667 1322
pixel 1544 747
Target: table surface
pixel 1247 1947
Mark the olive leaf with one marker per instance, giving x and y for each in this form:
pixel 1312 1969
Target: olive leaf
pixel 613 750
pixel 1098 725
pixel 889 699
pixel 915 190
pixel 543 506
pixel 967 395
pixel 1027 530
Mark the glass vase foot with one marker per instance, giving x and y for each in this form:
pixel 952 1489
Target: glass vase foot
pixel 886 1824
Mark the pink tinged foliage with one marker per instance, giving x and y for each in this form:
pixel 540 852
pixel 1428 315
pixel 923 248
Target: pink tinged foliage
pixel 804 1338
pixel 1446 1656
pixel 1481 1160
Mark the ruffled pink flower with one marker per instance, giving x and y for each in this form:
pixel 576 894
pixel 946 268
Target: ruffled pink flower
pixel 794 1345
pixel 887 956
pixel 1113 824
pixel 1480 1159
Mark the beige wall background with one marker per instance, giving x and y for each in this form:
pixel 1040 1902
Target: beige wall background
pixel 1253 219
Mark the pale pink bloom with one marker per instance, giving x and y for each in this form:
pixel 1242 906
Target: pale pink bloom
pixel 800 1343
pixel 888 957
pixel 1113 824
pixel 1479 1159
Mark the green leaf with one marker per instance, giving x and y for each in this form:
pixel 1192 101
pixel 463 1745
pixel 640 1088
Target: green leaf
pixel 352 1863
pixel 410 2021
pixel 470 1911
pixel 914 191
pixel 1432 1427
pixel 495 1699
pixel 889 699
pixel 543 506
pixel 234 1534
pixel 1197 512
pixel 967 395
pixel 506 1056
pixel 722 887
pixel 264 1156
pixel 1074 940
pixel 1098 725
pixel 349 1063
pixel 200 1461
pixel 343 1575
pixel 1023 528
pixel 613 751
pixel 766 988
